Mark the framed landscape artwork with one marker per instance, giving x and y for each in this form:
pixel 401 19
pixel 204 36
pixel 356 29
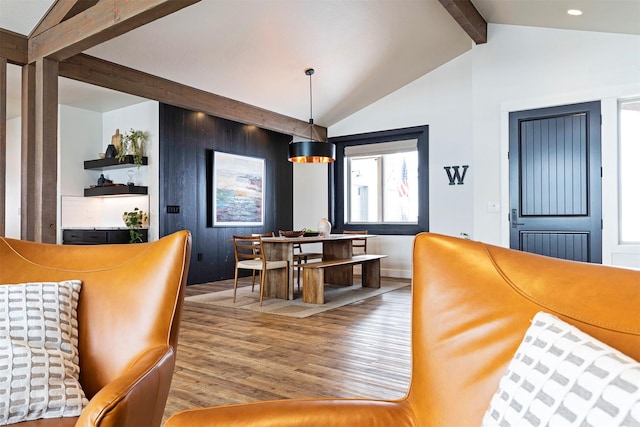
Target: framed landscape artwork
pixel 238 190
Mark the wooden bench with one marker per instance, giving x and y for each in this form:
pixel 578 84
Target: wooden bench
pixel 313 275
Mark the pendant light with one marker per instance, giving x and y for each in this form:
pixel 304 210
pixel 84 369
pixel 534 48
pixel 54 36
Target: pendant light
pixel 311 151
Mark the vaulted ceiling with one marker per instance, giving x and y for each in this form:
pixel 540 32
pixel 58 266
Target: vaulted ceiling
pixel 256 51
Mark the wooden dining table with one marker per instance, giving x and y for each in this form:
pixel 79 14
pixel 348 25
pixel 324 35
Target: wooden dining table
pixel 334 246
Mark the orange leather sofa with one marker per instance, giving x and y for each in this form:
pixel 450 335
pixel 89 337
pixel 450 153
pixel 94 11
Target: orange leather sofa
pixel 472 304
pixel 128 319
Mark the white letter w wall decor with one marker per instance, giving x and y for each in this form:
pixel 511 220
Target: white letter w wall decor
pixel 455 177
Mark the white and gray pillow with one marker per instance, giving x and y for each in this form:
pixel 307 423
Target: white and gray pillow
pixel 561 376
pixel 39 367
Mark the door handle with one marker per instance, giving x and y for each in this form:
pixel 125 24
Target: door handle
pixel 514 219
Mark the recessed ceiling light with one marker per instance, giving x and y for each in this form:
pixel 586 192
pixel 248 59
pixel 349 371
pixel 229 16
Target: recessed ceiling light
pixel 574 12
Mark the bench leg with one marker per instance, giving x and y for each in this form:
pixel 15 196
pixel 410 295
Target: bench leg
pixel 371 274
pixel 313 285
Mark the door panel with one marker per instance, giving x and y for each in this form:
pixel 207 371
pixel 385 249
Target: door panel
pixel 573 246
pixel 555 182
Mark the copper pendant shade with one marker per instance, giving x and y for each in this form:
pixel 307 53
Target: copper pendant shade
pixel 311 151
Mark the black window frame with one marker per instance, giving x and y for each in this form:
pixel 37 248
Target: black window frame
pixel 337 185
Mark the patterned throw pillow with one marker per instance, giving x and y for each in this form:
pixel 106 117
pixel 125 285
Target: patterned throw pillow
pixel 39 352
pixel 561 376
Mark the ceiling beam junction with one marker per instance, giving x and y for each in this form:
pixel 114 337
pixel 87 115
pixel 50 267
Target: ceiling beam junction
pixel 468 17
pixel 54 16
pixel 13 47
pixel 104 21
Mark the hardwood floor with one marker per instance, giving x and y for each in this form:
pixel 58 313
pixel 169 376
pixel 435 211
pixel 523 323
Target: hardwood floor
pixel 228 356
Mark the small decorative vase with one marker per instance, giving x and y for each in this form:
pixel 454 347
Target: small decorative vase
pixel 111 151
pixel 324 227
pixel 116 140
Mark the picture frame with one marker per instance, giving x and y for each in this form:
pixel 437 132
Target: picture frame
pixel 238 190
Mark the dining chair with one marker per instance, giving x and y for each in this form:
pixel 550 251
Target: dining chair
pixel 250 255
pixel 253 274
pixel 359 243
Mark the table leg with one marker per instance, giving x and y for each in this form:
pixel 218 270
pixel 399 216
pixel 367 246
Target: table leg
pixel 278 284
pixel 338 249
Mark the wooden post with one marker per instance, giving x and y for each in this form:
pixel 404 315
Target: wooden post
pixel 46 151
pixel 27 153
pixel 3 145
pixel 39 175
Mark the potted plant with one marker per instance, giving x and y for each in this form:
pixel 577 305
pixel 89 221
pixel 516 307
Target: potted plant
pixel 133 143
pixel 135 220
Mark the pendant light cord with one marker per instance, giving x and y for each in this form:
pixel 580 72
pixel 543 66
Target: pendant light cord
pixel 310 101
pixel 310 72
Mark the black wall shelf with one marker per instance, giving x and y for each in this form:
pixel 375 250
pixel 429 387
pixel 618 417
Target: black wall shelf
pixel 114 190
pixel 113 163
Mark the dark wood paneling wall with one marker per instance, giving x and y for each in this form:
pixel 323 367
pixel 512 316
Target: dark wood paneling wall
pixel 187 142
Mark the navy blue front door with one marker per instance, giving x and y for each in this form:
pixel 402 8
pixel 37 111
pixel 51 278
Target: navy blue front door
pixel 555 182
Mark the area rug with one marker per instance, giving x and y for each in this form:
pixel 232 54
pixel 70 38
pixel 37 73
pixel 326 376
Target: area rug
pixel 334 296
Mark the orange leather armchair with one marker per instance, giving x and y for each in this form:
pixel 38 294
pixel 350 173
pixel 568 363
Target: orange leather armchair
pixel 128 319
pixel 472 304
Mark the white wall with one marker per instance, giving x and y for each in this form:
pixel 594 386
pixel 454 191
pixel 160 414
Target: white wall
pixel 311 196
pixel 79 133
pixel 522 68
pixel 146 117
pixel 82 134
pixel 582 66
pixel 466 104
pixel 79 139
pixel 442 100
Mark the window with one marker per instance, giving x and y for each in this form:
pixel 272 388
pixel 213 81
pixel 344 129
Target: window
pixel 380 182
pixel 629 173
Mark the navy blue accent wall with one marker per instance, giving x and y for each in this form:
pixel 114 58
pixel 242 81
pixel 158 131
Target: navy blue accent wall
pixel 187 142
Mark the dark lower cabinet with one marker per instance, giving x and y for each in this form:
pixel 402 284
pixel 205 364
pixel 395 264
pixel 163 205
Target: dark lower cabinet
pixel 99 237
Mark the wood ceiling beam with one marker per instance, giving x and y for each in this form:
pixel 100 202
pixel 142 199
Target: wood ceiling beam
pixel 106 74
pixel 13 47
pixel 54 16
pixel 79 7
pixel 104 21
pixel 468 17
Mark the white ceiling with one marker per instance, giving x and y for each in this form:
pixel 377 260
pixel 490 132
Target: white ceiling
pixel 256 51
